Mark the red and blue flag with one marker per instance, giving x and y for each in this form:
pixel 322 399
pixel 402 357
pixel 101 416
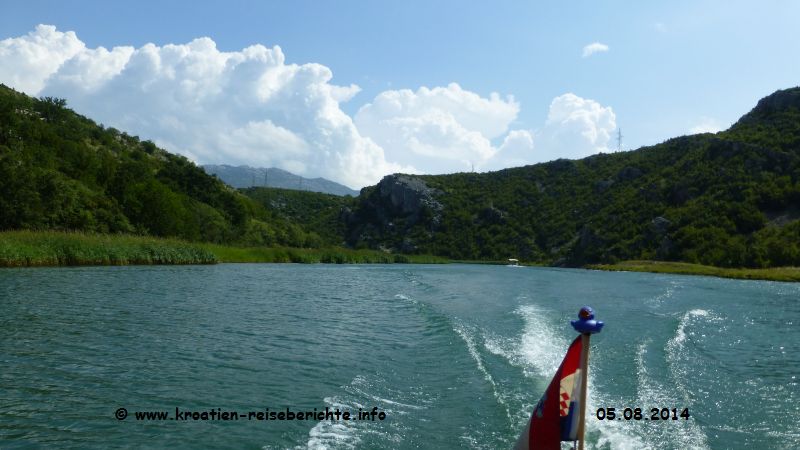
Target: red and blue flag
pixel 556 416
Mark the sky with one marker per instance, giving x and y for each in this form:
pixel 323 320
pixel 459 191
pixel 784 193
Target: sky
pixel 354 90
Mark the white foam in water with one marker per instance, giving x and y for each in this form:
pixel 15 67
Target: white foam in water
pixel 676 343
pixel 609 434
pixel 473 351
pixel 405 298
pixel 540 346
pixel 355 388
pixel 676 350
pixel 327 434
pixel 681 434
pixel 650 393
pixel 360 393
pixel 658 299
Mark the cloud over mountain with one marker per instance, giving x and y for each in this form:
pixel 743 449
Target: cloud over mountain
pixel 29 60
pixel 244 107
pixel 576 127
pixel 706 125
pixel 251 107
pixel 437 130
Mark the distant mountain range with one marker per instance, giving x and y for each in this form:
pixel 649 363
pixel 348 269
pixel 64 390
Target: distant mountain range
pixel 246 176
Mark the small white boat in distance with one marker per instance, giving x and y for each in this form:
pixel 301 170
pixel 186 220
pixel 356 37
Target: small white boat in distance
pixel 513 262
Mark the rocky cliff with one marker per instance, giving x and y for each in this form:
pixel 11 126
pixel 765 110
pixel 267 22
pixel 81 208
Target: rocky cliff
pixel 386 212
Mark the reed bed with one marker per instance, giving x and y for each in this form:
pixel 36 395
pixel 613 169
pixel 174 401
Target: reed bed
pixel 57 248
pixel 333 255
pixel 771 274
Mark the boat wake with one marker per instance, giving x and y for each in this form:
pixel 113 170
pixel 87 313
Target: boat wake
pixel 364 393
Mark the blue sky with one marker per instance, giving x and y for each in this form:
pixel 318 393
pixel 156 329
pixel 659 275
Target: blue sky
pixel 670 67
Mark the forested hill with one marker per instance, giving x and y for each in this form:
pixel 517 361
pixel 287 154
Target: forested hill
pixel 726 199
pixel 62 171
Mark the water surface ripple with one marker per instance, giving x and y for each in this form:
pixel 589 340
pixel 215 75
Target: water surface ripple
pixel 456 355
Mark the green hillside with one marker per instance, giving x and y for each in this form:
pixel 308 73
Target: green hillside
pixel 62 171
pixel 731 199
pixel 318 213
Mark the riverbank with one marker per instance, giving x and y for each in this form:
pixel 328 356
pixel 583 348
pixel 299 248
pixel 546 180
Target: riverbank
pixel 769 274
pixel 56 248
pixel 333 255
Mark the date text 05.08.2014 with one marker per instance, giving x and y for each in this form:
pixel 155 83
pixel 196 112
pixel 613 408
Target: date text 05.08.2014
pixel 656 414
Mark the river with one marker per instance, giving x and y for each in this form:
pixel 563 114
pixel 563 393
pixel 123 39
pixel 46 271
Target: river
pixel 453 356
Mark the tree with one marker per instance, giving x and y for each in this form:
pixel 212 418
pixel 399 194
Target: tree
pixel 52 109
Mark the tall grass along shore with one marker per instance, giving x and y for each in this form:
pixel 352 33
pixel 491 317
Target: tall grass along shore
pixel 333 255
pixel 56 248
pixel 59 248
pixel 770 274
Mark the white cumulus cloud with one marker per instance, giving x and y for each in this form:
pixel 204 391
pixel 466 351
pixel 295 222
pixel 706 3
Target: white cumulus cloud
pixel 576 127
pixel 706 125
pixel 27 61
pixel 251 107
pixel 438 130
pixel 241 107
pixel 516 150
pixel 594 47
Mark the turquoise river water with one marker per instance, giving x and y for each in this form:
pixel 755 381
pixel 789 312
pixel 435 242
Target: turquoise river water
pixel 455 356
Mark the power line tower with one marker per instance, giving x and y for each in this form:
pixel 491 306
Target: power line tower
pixel 619 139
pixel 265 177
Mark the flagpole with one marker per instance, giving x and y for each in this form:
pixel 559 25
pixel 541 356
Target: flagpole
pixel 586 325
pixel 584 383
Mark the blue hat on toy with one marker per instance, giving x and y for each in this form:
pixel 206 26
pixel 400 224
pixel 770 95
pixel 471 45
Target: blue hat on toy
pixel 586 322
